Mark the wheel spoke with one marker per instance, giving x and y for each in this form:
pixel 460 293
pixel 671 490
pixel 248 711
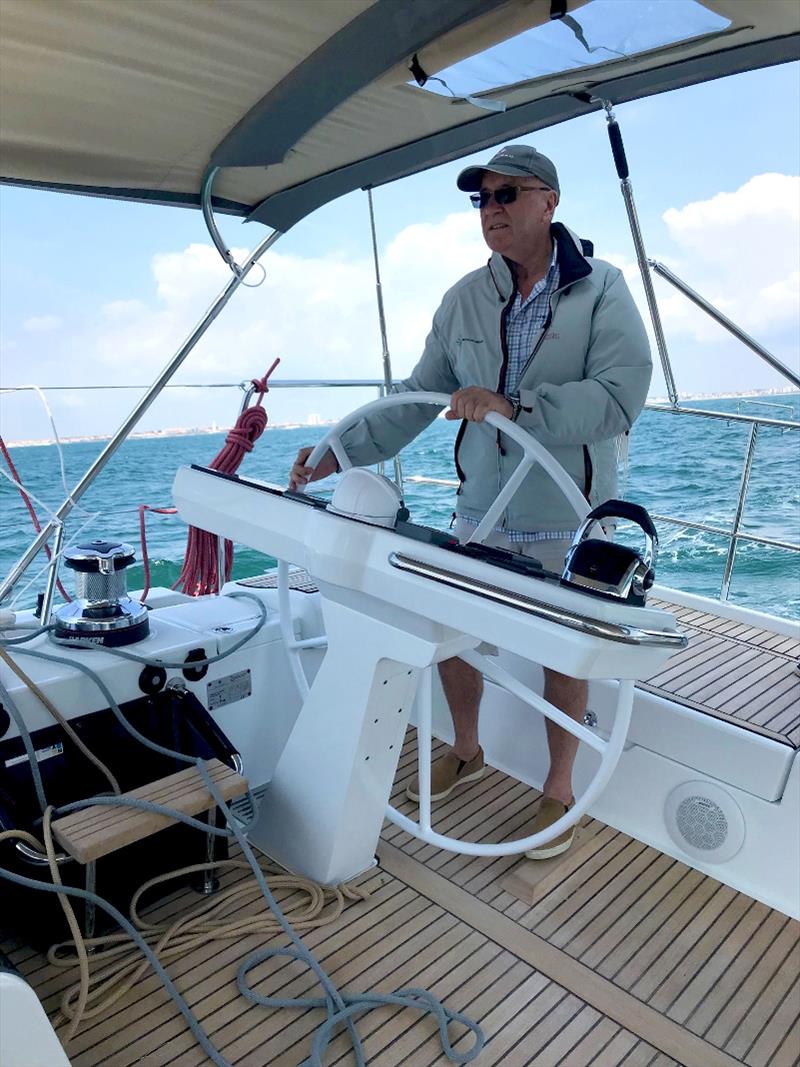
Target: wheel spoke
pixel 507 681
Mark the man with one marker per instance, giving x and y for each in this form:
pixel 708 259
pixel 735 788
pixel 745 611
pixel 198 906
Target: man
pixel 550 338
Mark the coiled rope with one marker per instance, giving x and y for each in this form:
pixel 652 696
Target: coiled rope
pixel 200 572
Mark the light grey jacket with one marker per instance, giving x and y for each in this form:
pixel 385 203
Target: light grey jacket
pixel 584 384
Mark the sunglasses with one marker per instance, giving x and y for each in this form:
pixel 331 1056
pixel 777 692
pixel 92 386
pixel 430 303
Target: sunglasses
pixel 506 194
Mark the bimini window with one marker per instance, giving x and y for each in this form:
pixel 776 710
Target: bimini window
pixel 597 32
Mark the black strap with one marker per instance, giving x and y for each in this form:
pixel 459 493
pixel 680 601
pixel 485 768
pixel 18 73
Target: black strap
pixel 420 77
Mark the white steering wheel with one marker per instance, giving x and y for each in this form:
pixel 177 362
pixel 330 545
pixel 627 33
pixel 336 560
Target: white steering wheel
pixel 608 750
pixel 532 452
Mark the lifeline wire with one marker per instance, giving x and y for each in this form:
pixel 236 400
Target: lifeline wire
pixel 340 1008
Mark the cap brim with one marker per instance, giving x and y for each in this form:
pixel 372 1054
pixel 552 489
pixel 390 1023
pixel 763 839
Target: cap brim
pixel 469 180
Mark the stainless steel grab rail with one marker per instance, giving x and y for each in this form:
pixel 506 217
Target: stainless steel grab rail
pixel 610 631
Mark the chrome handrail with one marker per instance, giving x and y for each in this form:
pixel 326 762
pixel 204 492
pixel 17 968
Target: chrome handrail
pixel 572 620
pixel 283 383
pixel 726 416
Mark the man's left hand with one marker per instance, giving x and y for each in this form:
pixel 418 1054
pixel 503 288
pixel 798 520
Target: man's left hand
pixel 475 403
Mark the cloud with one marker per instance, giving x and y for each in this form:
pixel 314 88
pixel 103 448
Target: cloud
pixel 739 250
pixel 42 323
pixel 319 313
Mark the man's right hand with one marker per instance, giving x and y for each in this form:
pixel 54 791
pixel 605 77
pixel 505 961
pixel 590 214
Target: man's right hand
pixel 300 475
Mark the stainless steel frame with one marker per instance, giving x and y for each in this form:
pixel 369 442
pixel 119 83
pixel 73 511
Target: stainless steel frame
pixel 737 520
pixel 387 360
pixel 638 243
pixel 734 535
pixel 52 576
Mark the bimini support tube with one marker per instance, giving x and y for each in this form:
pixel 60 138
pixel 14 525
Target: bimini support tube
pixel 714 313
pixel 621 163
pixel 139 410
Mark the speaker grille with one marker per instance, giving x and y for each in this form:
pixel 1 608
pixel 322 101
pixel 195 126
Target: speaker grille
pixel 702 822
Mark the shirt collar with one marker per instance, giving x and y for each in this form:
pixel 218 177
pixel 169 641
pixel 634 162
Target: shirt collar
pixel 543 282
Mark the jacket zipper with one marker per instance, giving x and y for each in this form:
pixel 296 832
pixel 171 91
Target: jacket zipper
pixel 504 349
pixel 501 381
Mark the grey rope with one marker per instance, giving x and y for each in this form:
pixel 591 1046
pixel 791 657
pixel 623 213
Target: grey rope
pixel 10 704
pixel 340 1007
pixel 73 891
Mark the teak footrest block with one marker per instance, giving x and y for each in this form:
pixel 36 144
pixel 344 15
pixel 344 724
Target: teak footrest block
pixel 94 832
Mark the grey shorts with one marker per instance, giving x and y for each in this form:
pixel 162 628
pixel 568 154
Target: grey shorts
pixel 550 553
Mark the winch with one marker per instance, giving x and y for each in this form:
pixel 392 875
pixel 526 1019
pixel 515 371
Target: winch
pixel 606 569
pixel 102 611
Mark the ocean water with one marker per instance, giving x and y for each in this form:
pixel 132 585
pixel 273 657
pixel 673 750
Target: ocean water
pixel 680 466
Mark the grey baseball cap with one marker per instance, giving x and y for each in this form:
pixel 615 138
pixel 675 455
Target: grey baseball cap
pixel 516 160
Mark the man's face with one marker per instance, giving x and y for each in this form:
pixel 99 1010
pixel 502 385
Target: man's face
pixel 521 229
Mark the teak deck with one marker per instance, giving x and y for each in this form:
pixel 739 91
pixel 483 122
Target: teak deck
pixel 616 955
pixel 745 674
pixel 626 956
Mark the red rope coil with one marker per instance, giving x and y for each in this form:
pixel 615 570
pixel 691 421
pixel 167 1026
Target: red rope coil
pixel 200 573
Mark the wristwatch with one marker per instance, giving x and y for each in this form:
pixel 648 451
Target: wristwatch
pixel 516 405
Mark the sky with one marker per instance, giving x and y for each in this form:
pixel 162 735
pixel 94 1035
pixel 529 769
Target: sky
pixel 95 292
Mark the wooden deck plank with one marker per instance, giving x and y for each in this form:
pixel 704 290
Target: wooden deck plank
pixel 474 975
pixel 630 959
pixel 740 909
pixel 561 907
pixel 705 992
pixel 627 927
pixel 561 1048
pixel 780 690
pixel 782 1022
pixel 643 961
pixel 754 688
pixel 749 1003
pixel 594 990
pixel 643 981
pixel 593 1044
pixel 358 964
pixel 208 977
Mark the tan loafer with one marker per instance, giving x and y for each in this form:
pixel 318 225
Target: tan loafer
pixel 550 811
pixel 447 774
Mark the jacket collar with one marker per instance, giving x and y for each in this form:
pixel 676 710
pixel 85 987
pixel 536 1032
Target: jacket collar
pixel 571 253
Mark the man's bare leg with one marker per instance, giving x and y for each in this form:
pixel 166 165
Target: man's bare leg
pixel 570 695
pixel 463 688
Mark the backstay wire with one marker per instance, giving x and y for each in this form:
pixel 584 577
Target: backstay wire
pixel 387 361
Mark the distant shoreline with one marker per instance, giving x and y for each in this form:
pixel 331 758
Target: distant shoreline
pixel 175 431
pixel 197 431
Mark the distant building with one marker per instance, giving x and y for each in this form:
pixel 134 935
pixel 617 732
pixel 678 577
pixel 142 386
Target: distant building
pixel 314 420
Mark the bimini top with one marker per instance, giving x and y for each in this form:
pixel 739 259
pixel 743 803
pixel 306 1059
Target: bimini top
pixel 297 103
